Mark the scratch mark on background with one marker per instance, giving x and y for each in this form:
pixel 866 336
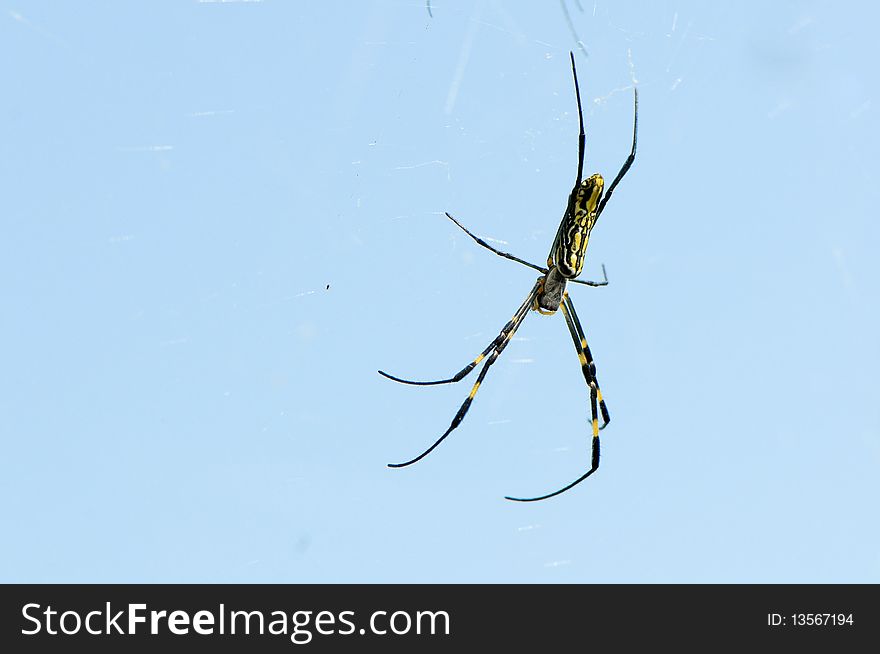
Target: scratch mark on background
pixel 434 162
pixel 146 148
pixel 632 66
pixel 801 24
pixel 463 57
pixel 845 275
pixel 780 108
pixel 577 39
pixel 528 527
pixel 218 112
pixel 679 44
pixel 19 18
pixel 862 108
pixel 604 98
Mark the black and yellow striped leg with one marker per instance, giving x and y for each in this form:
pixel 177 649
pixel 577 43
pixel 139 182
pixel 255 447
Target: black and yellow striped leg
pixel 496 352
pixel 580 344
pixel 461 374
pixel 596 401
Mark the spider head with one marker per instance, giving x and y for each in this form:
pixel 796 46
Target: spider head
pixel 587 195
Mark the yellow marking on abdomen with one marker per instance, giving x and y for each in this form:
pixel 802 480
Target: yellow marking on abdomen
pixel 474 390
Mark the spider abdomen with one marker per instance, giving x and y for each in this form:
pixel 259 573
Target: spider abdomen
pixel 574 232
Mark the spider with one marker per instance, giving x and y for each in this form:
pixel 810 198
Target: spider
pixel 564 263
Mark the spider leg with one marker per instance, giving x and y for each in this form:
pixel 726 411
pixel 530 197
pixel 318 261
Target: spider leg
pixel 629 159
pixel 512 324
pixel 461 374
pixel 604 281
pixel 596 401
pixel 581 136
pixel 520 315
pixel 581 152
pixel 589 369
pixel 496 251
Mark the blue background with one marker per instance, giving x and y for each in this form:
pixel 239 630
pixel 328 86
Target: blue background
pixel 183 399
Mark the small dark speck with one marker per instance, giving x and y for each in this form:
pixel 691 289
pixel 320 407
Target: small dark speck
pixel 302 544
pixel 328 287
